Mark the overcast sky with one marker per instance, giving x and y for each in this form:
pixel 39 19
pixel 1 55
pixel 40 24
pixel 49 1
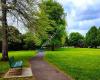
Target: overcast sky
pixel 81 14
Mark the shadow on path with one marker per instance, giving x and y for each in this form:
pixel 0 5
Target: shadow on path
pixel 43 71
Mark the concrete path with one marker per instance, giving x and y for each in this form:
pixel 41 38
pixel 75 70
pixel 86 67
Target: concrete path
pixel 44 71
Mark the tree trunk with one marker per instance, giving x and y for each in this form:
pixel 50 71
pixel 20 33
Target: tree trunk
pixel 4 31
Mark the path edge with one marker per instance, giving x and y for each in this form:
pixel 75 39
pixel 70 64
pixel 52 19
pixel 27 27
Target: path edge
pixel 51 64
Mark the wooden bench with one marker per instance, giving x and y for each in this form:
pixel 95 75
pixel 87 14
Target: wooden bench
pixel 15 64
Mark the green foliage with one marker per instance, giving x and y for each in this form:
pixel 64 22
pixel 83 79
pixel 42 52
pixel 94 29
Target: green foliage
pixel 76 39
pixel 30 41
pixel 79 63
pixel 91 37
pixel 66 41
pixel 13 34
pixel 98 37
pixel 14 38
pixel 55 14
pixel 42 25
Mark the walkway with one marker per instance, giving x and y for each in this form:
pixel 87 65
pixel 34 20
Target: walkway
pixel 43 71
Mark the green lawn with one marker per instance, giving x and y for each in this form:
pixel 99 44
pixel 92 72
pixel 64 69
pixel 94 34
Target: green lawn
pixel 19 55
pixel 80 64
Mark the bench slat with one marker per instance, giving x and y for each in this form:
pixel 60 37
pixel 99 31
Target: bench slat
pixel 15 64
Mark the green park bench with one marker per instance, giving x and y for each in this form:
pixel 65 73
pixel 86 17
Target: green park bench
pixel 15 64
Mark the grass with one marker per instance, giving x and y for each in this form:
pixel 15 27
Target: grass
pixel 79 63
pixel 19 55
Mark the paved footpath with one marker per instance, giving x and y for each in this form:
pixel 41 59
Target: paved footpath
pixel 44 71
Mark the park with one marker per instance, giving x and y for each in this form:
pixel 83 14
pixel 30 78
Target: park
pixel 49 40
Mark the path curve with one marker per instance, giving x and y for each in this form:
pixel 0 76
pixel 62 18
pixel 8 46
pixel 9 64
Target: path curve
pixel 44 71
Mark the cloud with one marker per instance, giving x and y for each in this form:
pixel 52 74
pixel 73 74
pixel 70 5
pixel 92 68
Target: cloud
pixel 91 12
pixel 81 14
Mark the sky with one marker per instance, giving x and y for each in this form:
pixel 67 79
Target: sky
pixel 81 14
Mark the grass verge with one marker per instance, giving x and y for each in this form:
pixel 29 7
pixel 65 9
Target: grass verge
pixel 80 63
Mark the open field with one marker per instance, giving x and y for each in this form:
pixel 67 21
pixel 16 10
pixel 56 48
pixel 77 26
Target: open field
pixel 19 55
pixel 81 64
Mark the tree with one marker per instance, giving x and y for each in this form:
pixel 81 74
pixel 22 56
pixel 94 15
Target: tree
pixel 4 30
pixel 14 39
pixel 30 41
pixel 91 37
pixel 25 11
pixel 76 39
pixel 67 41
pixel 0 39
pixel 55 13
pixel 98 37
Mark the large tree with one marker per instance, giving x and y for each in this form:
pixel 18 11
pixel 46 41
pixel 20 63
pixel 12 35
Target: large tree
pixel 91 37
pixel 76 39
pixel 55 13
pixel 24 11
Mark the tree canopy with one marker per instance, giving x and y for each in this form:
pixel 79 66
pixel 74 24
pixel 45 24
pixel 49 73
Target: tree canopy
pixel 76 39
pixel 55 14
pixel 98 36
pixel 91 37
